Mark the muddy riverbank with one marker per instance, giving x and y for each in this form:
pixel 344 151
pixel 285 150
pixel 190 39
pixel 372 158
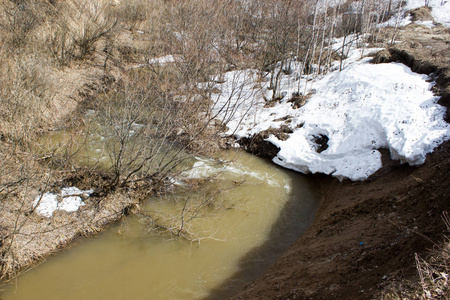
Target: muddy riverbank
pixel 364 235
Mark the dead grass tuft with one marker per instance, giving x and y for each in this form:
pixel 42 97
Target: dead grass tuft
pixel 433 280
pixel 421 14
pixel 26 97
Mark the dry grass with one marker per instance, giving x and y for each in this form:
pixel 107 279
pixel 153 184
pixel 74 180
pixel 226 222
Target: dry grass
pixel 26 95
pixel 25 236
pixel 43 68
pixel 35 91
pixel 433 280
pixel 37 94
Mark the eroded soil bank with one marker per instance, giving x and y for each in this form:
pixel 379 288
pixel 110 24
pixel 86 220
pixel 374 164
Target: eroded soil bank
pixel 365 234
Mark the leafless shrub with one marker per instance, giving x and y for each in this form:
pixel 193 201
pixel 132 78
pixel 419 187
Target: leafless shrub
pixel 98 25
pixel 180 224
pixel 18 19
pixel 136 123
pixel 26 97
pixel 152 116
pixel 200 198
pixel 75 31
pixel 133 13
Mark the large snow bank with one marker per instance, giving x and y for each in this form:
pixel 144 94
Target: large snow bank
pixel 361 109
pixel 69 199
pixel 356 111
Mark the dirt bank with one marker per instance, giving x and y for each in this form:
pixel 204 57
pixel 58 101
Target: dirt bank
pixel 365 234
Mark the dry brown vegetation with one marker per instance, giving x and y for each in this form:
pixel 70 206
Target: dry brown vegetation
pixel 37 91
pixel 433 275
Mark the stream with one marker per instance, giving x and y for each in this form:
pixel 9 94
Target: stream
pixel 245 213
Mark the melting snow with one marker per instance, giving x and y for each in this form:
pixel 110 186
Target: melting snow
pixel 440 10
pixel 164 60
pixel 361 109
pixel 69 199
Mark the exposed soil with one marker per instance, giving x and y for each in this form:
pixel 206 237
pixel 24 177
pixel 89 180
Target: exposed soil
pixel 365 234
pixel 257 144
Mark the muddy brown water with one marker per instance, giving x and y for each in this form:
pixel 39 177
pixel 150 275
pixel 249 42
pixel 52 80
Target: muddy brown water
pixel 259 211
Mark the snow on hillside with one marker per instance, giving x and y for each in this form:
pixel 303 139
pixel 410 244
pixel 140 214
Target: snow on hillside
pixel 440 10
pixel 361 109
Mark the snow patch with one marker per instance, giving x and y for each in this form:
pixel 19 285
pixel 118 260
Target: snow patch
pixel 164 60
pixel 359 110
pixel 440 10
pixel 69 200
